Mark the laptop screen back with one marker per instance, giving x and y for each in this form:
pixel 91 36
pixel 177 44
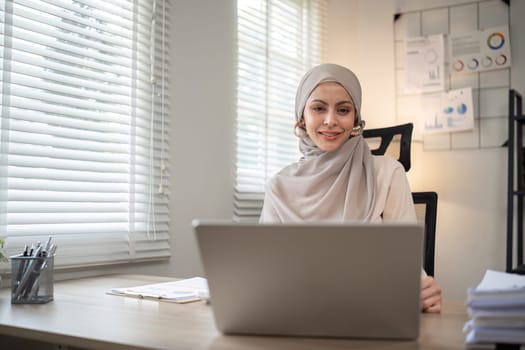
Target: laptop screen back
pixel 329 280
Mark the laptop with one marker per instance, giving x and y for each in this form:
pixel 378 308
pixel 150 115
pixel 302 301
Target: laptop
pixel 318 280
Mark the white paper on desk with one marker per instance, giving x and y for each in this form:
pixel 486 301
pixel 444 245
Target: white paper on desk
pixel 495 280
pixel 179 291
pixel 498 291
pixel 497 313
pixel 495 335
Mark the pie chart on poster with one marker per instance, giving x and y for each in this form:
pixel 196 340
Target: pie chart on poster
pixel 462 108
pixel 431 56
pixel 473 64
pixel 487 62
pixel 501 60
pixel 458 66
pixel 496 40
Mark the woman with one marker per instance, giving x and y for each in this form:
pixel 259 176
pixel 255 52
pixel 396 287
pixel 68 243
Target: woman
pixel 338 178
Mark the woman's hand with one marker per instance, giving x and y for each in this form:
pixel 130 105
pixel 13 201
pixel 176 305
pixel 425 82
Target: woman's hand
pixel 430 295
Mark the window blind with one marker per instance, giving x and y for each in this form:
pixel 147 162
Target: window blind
pixel 83 143
pixel 278 40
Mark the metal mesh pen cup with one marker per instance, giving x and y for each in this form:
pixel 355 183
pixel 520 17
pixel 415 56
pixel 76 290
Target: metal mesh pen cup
pixel 32 279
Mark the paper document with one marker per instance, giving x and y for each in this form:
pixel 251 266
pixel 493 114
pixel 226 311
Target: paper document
pixel 497 309
pixel 495 280
pixel 425 64
pixel 499 291
pixel 182 291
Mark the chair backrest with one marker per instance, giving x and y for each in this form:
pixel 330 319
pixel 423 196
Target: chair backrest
pixel 425 202
pixel 387 135
pixel 426 211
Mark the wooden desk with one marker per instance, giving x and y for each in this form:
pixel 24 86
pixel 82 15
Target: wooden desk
pixel 83 315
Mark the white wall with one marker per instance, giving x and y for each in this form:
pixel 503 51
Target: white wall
pixel 471 184
pixel 360 37
pixel 203 114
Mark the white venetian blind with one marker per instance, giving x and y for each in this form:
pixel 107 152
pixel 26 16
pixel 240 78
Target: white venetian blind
pixel 278 40
pixel 83 128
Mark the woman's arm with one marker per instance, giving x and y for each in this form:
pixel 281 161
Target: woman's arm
pixel 399 206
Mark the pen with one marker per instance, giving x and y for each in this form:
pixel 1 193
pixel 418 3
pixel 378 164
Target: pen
pixel 52 250
pixel 21 266
pixel 35 284
pixel 48 244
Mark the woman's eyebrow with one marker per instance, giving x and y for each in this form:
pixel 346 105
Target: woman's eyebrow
pixel 318 100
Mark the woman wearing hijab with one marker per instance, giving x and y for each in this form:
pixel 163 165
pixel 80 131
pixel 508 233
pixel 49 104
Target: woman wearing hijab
pixel 338 178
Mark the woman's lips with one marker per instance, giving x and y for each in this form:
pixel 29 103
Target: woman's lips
pixel 330 135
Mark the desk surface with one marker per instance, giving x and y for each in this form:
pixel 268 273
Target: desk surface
pixel 83 315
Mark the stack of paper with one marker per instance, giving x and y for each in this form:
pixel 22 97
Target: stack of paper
pixel 182 291
pixel 496 309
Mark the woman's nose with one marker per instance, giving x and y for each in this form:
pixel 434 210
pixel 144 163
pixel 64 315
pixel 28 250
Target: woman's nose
pixel 330 119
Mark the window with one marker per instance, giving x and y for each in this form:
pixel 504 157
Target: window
pixel 83 143
pixel 278 40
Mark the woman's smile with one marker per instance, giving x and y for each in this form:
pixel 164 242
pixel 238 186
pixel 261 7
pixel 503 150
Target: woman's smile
pixel 330 135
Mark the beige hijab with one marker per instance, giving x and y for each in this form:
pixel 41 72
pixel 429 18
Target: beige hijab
pixel 338 185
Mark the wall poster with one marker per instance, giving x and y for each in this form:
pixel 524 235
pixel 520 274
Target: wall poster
pixel 425 64
pixel 480 50
pixel 449 111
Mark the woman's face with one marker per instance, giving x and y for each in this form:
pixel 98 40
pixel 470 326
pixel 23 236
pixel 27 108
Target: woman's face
pixel 329 116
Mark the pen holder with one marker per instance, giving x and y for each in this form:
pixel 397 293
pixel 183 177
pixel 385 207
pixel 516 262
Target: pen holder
pixel 32 279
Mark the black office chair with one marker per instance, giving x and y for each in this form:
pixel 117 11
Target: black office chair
pixel 386 135
pixel 426 211
pixel 425 202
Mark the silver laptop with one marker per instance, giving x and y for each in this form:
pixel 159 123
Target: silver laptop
pixel 323 280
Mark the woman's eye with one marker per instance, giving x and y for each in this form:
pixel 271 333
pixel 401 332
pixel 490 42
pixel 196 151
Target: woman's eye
pixel 318 108
pixel 344 110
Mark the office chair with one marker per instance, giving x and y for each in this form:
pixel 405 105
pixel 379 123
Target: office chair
pixel 387 135
pixel 425 202
pixel 426 212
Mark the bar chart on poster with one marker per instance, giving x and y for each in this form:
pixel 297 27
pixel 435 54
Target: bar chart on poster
pixel 452 70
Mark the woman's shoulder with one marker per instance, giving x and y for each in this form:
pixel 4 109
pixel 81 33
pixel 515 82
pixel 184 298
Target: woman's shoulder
pixel 386 163
pixel 388 170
